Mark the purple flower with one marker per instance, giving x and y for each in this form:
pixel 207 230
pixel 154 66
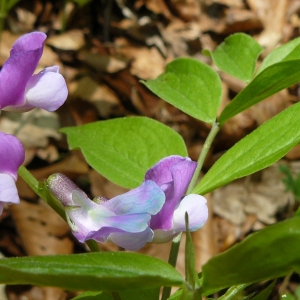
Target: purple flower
pixel 19 88
pixel 123 219
pixel 173 174
pixel 11 157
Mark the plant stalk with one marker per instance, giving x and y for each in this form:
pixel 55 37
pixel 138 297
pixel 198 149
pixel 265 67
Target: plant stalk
pixel 208 142
pixel 172 261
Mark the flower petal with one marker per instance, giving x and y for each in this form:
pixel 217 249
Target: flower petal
pixel 12 155
pixel 196 207
pixel 173 175
pixel 8 189
pixel 132 241
pixel 94 221
pixel 19 67
pixel 147 198
pixel 47 90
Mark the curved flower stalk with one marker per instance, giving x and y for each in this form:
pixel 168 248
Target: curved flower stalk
pixel 23 91
pixel 12 155
pixel 123 219
pixel 173 174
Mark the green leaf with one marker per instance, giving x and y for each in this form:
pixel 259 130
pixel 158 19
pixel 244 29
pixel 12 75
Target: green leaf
pixel 93 296
pixel 237 56
pixel 270 253
pixel 176 295
pixel 147 294
pixel 90 271
pixel 288 51
pixel 191 86
pixel 11 3
pixel 270 81
pixel 265 293
pixel 261 148
pixel 123 149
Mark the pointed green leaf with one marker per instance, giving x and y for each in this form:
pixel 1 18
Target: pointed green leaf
pixel 123 149
pixel 265 293
pixel 258 150
pixel 147 294
pixel 288 51
pixel 113 271
pixel 237 56
pixel 270 81
pixel 176 295
pixel 93 296
pixel 191 86
pixel 270 253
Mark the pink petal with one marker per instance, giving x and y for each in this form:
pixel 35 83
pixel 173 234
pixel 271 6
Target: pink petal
pixel 8 190
pixel 132 241
pixel 147 198
pixel 12 155
pixel 196 207
pixel 19 67
pixel 47 90
pixel 173 174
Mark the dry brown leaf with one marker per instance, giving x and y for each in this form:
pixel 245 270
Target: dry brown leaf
pixel 187 10
pixel 32 128
pixel 272 15
pixel 158 7
pixel 229 3
pixel 26 18
pixel 147 64
pixel 70 40
pixel 227 233
pixel 239 20
pixel 72 166
pixel 100 186
pixel 102 62
pixel 104 99
pixel 294 153
pixel 263 197
pixel 42 230
pixel 271 106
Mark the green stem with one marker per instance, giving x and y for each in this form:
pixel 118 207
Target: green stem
pixel 43 193
pixel 93 246
pixel 176 241
pixel 212 134
pixel 172 261
pixel 233 291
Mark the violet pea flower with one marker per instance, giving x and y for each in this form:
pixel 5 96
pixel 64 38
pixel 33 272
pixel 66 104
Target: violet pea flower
pixel 124 219
pixel 12 155
pixel 23 91
pixel 173 175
